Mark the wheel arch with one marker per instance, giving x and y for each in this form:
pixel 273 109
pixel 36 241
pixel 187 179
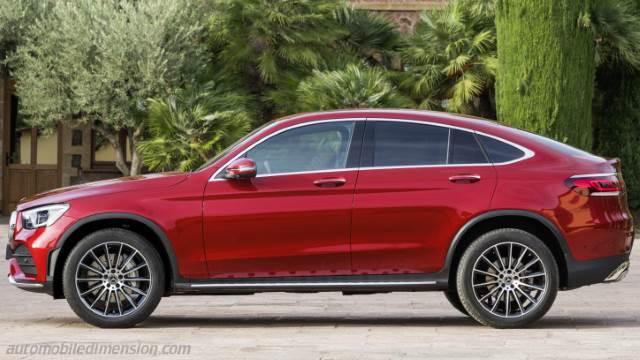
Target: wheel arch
pixel 133 222
pixel 531 222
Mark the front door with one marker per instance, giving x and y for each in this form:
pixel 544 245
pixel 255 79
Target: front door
pixel 417 184
pixel 294 218
pixel 31 158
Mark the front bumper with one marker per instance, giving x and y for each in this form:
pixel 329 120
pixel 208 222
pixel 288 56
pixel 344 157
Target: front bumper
pixel 605 270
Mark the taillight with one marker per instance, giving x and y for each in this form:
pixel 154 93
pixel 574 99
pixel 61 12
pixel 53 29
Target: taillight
pixel 596 184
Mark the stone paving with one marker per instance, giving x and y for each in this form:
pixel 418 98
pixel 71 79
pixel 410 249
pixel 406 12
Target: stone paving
pixel 589 323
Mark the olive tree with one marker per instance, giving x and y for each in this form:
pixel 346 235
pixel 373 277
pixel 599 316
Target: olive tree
pixel 96 62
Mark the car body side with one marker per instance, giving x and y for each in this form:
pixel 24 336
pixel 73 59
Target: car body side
pixel 588 235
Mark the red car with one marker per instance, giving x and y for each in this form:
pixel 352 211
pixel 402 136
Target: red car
pixel 362 201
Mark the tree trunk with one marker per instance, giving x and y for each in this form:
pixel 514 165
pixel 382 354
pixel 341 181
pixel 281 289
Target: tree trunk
pixel 546 75
pixel 134 136
pixel 114 139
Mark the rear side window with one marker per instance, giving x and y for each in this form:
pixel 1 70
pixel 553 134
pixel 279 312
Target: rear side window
pixel 498 151
pixel 394 143
pixel 464 148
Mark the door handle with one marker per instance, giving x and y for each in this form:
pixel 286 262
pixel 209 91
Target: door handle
pixel 330 182
pixel 464 179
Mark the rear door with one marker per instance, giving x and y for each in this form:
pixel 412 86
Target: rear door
pixel 418 184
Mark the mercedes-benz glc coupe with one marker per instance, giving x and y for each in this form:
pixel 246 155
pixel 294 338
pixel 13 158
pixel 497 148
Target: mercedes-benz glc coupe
pixel 359 202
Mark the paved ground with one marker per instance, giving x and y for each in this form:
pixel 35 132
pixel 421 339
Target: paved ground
pixel 589 323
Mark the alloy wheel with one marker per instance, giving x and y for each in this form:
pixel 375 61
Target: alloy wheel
pixel 113 279
pixel 509 279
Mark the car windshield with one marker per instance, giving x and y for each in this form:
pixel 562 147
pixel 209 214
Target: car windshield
pixel 233 147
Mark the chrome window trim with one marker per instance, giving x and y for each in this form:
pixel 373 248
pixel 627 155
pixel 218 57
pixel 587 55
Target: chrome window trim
pixel 527 152
pixel 592 175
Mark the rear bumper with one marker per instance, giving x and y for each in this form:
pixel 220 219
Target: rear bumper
pixel 609 269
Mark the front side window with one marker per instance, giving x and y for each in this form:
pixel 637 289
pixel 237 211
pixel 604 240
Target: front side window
pixel 396 143
pixel 314 147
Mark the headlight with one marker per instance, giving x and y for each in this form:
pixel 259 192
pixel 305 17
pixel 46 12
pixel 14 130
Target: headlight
pixel 43 216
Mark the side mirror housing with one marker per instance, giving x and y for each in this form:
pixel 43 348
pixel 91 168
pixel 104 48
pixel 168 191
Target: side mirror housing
pixel 242 168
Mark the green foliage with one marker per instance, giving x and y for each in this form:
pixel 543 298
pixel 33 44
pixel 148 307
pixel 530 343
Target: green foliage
pixel 96 61
pixel 451 62
pixel 271 44
pixel 191 125
pixel 617 101
pixel 616 25
pixel 545 78
pixel 353 87
pixel 16 16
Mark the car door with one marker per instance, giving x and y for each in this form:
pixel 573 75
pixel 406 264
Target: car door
pixel 294 217
pixel 418 184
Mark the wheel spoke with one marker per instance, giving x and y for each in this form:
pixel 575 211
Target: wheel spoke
pixel 527 296
pixel 97 298
pixel 134 269
pixel 506 303
pixel 106 303
pixel 128 260
pixel 88 279
pixel 138 291
pixel 490 263
pixel 495 304
pixel 485 273
pixel 129 299
pixel 104 269
pixel 529 264
pixel 532 286
pixel 90 268
pixel 118 256
pixel 106 255
pixel 522 254
pixel 91 289
pixel 485 283
pixel 510 254
pixel 532 275
pixel 518 302
pixel 136 279
pixel 115 293
pixel 489 293
pixel 499 257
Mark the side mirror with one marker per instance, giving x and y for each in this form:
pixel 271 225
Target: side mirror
pixel 242 168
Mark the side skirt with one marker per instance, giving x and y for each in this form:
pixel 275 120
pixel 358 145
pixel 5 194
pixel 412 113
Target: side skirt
pixel 356 284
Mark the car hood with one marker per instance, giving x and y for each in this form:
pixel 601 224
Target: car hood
pixel 123 184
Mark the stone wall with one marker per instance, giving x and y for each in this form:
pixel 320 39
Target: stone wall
pixel 405 13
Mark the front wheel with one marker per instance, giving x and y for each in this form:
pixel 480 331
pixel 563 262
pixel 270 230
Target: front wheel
pixel 113 278
pixel 507 278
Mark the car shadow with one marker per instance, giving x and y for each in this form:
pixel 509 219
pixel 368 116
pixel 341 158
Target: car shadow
pixel 556 322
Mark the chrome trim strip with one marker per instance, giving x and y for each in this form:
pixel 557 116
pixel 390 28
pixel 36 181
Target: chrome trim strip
pixel 605 193
pixel 527 153
pixel 23 285
pixel 619 273
pixel 310 284
pixel 592 175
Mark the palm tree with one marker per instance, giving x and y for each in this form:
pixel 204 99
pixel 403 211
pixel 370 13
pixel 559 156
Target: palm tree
pixel 616 26
pixel 191 125
pixel 451 61
pixel 271 44
pixel 354 87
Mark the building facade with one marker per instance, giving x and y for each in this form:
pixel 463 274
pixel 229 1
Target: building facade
pixel 36 161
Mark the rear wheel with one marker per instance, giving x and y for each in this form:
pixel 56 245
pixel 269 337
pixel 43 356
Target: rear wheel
pixel 113 278
pixel 507 278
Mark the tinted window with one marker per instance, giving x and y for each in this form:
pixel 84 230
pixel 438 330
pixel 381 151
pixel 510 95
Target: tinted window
pixel 464 149
pixel 307 148
pixel 499 151
pixel 405 143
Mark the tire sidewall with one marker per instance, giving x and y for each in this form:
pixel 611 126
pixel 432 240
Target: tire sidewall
pixel 465 272
pixel 114 235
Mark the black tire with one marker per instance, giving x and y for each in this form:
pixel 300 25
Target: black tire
pixel 454 299
pixel 152 285
pixel 506 279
